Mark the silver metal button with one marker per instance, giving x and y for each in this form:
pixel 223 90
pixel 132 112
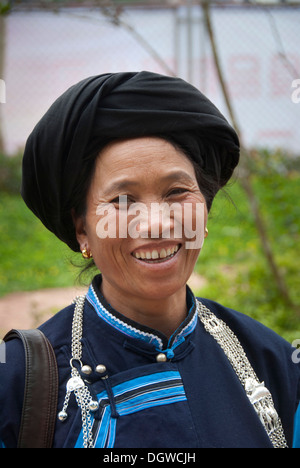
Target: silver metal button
pixel 86 369
pixel 93 405
pixel 100 369
pixel 161 357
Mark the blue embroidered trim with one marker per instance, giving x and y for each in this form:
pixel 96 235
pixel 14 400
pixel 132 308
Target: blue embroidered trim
pixel 187 330
pixel 163 388
pixel 296 436
pixel 128 330
pixel 176 339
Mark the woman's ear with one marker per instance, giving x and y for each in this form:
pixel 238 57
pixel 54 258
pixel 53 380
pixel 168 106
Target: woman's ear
pixel 80 230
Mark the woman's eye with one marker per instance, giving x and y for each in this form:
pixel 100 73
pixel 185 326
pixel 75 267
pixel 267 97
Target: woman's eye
pixel 122 200
pixel 115 200
pixel 177 191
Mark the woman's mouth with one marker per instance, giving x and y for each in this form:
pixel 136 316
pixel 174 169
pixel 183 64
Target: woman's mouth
pixel 158 255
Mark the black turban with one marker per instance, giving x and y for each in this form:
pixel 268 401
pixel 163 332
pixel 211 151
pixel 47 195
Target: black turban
pixel 103 108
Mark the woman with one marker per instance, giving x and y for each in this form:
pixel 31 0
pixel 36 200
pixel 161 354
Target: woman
pixel 117 165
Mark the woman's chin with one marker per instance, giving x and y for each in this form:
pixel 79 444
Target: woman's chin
pixel 159 287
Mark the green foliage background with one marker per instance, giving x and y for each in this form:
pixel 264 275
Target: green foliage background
pixel 231 262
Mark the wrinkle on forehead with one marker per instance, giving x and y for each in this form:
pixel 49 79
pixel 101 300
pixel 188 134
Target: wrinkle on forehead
pixel 129 160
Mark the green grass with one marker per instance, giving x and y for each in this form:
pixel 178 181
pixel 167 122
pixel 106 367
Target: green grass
pixel 232 262
pixel 31 257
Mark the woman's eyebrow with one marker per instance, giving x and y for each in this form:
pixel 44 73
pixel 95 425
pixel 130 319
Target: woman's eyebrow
pixel 121 185
pixel 179 175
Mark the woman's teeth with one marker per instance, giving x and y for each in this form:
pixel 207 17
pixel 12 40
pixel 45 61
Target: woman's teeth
pixel 155 254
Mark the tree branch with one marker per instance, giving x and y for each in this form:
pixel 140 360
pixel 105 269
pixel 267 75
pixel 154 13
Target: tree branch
pixel 246 172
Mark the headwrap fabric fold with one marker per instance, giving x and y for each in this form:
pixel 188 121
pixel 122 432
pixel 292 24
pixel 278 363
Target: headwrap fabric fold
pixel 103 108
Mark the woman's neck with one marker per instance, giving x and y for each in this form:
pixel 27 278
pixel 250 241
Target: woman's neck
pixel 164 315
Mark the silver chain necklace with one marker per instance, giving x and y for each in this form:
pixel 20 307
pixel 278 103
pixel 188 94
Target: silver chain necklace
pixel 75 383
pixel 259 396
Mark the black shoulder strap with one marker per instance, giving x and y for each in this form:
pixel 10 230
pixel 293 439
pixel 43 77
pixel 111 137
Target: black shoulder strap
pixel 41 389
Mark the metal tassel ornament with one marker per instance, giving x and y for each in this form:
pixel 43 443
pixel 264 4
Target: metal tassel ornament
pixel 75 384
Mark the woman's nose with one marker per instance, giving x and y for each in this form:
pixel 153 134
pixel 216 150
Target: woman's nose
pixel 160 221
pixel 155 220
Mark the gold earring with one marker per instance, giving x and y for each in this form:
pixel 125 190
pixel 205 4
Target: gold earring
pixel 86 254
pixel 206 233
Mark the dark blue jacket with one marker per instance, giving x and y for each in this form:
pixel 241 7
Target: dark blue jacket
pixel 191 400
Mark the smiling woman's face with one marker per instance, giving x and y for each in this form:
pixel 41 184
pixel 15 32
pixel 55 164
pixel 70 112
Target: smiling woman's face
pixel 147 171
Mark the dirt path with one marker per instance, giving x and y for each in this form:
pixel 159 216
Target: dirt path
pixel 30 309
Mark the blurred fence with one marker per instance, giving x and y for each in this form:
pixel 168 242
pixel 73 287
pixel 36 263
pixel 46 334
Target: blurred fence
pixel 49 48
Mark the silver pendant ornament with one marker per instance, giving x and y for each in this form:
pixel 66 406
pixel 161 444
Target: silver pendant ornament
pixel 75 384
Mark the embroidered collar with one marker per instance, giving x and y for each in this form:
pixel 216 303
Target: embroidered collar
pixel 135 330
